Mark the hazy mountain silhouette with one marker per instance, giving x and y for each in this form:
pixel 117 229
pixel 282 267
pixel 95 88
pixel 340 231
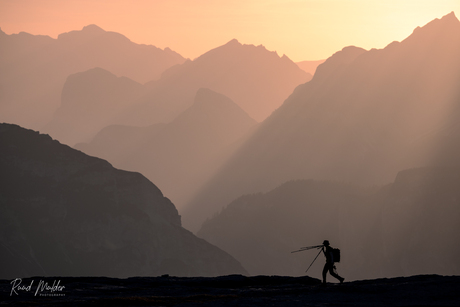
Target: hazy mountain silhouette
pixel 68 214
pixel 420 217
pixel 34 68
pixel 364 116
pixel 406 228
pixel 254 78
pixel 90 101
pixel 181 155
pixel 117 54
pixel 309 66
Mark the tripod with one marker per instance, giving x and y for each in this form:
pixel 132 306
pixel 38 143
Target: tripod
pixel 313 261
pixel 308 248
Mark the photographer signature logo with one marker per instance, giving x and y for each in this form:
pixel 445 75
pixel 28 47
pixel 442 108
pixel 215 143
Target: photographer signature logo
pixel 43 288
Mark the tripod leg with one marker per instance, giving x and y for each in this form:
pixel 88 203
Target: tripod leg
pixel 313 261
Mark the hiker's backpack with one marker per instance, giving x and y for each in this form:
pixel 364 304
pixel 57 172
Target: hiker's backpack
pixel 336 254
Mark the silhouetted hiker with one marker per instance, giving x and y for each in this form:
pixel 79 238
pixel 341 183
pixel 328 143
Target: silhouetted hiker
pixel 329 266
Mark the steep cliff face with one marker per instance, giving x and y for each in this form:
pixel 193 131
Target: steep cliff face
pixel 64 213
pixel 90 101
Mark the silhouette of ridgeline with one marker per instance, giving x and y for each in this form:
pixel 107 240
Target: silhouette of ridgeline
pixel 365 116
pixel 34 68
pixel 181 155
pixel 68 214
pixel 256 79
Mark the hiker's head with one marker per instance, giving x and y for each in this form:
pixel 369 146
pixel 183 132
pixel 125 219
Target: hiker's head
pixel 326 243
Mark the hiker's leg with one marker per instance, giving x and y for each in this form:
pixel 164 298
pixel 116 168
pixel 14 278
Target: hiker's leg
pixel 334 274
pixel 325 269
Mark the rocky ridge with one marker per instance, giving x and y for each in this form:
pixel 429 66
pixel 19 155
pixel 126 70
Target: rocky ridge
pixel 64 213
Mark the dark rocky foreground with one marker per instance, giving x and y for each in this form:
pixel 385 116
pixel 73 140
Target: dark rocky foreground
pixel 234 290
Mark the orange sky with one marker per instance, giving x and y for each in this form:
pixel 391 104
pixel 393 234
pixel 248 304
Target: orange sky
pixel 301 29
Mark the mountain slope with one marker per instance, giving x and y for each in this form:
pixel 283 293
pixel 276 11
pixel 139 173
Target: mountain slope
pixel 364 116
pixel 181 155
pixel 68 214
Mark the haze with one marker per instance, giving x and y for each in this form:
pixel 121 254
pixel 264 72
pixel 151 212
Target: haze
pixel 258 126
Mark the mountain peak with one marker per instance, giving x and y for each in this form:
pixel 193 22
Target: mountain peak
pixel 337 61
pixel 235 49
pixel 446 24
pixel 89 31
pixel 445 21
pixel 438 34
pixel 451 16
pixel 93 29
pixel 233 42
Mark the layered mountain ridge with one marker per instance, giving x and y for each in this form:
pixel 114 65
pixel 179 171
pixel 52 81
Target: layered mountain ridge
pixel 181 155
pixel 256 79
pixel 363 117
pixel 34 68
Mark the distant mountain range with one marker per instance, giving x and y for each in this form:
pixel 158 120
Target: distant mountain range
pixel 254 78
pixel 181 155
pixel 405 228
pixel 64 213
pixel 34 68
pixel 363 117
